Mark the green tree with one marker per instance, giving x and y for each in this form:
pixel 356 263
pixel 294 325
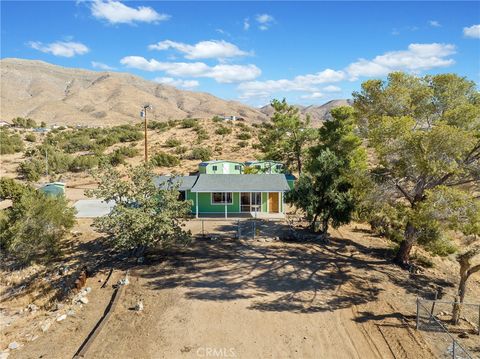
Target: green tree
pixel 286 137
pixel 10 142
pixel 143 216
pixel 325 190
pixel 424 133
pixel 35 225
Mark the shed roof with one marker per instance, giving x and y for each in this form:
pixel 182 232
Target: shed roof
pixel 241 183
pixel 184 182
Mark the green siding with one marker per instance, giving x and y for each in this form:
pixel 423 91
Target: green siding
pixel 205 205
pixel 264 202
pixel 269 167
pixel 291 183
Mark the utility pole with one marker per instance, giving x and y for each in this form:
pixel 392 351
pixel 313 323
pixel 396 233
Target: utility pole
pixel 144 115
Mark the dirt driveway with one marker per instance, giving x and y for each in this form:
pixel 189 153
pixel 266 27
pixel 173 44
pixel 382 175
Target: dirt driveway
pixel 250 299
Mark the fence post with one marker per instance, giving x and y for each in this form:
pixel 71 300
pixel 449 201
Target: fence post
pixel 238 228
pixel 433 304
pixel 479 320
pixel 418 312
pixel 203 230
pixel 453 348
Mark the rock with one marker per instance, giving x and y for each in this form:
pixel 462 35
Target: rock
pixel 4 355
pixel 46 325
pixel 13 345
pixel 71 312
pixel 463 335
pixel 84 300
pixel 139 306
pixel 88 290
pixel 32 308
pixel 124 281
pixel 62 317
pixel 58 306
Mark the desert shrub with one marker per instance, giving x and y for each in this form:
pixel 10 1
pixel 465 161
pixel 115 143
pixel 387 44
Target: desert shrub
pixel 217 119
pixel 118 156
pixel 83 163
pixel 173 142
pixel 35 225
pixel 180 150
pixel 10 142
pixel 242 144
pixel 43 124
pixel 244 136
pixel 30 137
pixel 128 151
pixel 202 135
pixel 24 122
pixel 157 125
pixel 172 123
pixel 163 159
pixel 188 123
pixel 222 130
pixel 200 153
pixel 31 170
pixel 242 126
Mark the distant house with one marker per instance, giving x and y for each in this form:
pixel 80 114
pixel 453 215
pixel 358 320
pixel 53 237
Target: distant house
pixel 229 118
pixel 221 188
pixel 5 124
pixel 220 167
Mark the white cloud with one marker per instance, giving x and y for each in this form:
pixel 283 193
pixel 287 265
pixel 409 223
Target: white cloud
pixel 116 12
pixel 60 48
pixel 472 31
pixel 303 83
pixel 201 50
pixel 434 23
pixel 313 95
pixel 221 73
pixel 246 24
pixel 188 84
pixel 101 66
pixel 264 21
pixel 418 57
pixel 332 88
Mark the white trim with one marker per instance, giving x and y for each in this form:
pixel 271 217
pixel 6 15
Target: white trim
pixel 196 204
pixel 222 203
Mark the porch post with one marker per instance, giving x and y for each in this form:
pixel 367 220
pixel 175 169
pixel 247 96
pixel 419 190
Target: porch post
pixel 225 201
pixel 280 202
pixel 196 204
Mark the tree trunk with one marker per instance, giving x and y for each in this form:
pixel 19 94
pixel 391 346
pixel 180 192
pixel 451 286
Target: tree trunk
pixel 457 307
pixel 299 165
pixel 325 226
pixel 403 255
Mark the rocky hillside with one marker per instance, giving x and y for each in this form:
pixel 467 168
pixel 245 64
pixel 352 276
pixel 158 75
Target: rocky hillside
pixel 318 114
pixel 55 94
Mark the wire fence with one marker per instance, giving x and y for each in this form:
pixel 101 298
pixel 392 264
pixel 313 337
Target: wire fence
pixel 245 228
pixel 452 341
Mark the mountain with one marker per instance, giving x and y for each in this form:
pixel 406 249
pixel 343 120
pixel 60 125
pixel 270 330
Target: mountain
pixel 317 114
pixel 54 94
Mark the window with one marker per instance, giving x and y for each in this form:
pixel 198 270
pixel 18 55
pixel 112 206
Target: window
pixel 258 167
pixel 214 168
pixel 279 167
pixel 237 167
pixel 222 198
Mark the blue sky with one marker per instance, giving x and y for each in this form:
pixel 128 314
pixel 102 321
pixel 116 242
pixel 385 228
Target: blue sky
pixel 308 52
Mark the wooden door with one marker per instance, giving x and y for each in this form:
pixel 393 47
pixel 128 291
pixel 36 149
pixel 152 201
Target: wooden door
pixel 273 202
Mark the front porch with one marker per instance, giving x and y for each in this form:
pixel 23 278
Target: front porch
pixel 242 215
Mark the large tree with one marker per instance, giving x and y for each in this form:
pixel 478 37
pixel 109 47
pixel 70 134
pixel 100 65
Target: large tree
pixel 325 190
pixel 287 136
pixel 143 216
pixel 425 133
pixel 34 226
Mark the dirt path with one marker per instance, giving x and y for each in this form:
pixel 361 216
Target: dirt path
pixel 247 299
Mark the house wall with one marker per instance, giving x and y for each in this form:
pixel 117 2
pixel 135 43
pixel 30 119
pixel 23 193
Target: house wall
pixel 229 167
pixel 205 205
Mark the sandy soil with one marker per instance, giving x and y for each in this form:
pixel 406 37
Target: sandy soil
pixel 252 299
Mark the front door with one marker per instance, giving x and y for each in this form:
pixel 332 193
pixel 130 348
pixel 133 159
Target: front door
pixel 245 202
pixel 273 202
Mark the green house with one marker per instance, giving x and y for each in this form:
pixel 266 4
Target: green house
pixel 265 166
pixel 220 167
pixel 231 195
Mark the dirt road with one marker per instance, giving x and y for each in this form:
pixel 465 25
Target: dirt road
pixel 244 299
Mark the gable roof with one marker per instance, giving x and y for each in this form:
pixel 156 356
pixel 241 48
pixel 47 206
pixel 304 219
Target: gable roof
pixel 241 183
pixel 184 182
